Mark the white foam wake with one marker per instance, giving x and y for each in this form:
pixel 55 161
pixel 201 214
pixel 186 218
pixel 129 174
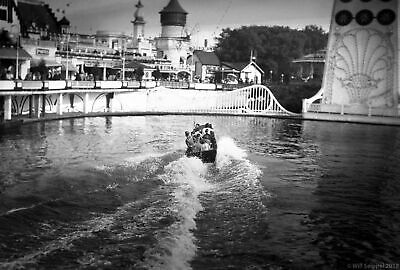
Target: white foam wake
pixel 176 246
pixel 227 151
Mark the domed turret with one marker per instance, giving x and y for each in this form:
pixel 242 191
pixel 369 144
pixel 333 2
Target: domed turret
pixel 138 18
pixel 138 24
pixel 173 14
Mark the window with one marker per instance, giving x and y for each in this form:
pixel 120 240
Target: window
pixel 3 14
pixel 3 3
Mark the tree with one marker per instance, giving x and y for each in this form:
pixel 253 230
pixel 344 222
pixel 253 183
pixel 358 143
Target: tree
pixel 156 74
pixel 275 47
pixel 42 69
pixel 139 72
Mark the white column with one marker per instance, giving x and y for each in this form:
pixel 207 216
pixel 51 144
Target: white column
pixel 7 107
pixel 59 104
pixel 104 73
pixel 86 103
pixel 109 100
pixel 36 105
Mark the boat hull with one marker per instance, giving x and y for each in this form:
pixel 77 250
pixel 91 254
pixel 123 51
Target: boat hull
pixel 205 156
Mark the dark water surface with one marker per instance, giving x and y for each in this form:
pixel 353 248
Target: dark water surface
pixel 118 193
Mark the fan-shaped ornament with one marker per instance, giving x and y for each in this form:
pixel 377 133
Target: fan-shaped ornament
pixel 363 62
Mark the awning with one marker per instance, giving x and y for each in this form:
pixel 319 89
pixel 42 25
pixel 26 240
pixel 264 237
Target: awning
pixel 11 53
pixel 48 63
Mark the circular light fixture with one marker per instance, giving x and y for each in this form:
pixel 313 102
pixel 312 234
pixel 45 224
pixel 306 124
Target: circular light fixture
pixel 343 17
pixel 386 16
pixel 364 17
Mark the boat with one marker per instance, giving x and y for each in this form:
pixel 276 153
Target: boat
pixel 206 156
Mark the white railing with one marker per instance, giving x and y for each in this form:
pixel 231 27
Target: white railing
pixel 252 100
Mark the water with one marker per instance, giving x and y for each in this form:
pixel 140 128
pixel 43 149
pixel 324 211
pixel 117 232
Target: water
pixel 118 193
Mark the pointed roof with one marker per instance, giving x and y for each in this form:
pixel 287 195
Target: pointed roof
pixel 64 21
pixel 139 4
pixel 239 66
pixel 173 7
pixel 138 18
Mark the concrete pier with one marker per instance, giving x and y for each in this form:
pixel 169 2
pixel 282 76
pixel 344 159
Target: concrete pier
pixel 7 107
pixel 60 104
pixel 36 106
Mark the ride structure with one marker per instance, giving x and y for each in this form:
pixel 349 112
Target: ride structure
pixel 361 74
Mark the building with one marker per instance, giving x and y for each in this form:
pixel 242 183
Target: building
pixel 246 72
pixel 49 41
pixel 205 65
pixel 311 65
pixel 34 27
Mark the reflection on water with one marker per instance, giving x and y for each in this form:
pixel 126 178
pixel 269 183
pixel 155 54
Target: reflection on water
pixel 357 215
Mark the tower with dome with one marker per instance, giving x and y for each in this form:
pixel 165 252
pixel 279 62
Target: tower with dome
pixel 173 43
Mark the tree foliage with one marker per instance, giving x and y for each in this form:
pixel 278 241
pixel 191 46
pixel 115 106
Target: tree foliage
pixel 139 73
pixel 274 46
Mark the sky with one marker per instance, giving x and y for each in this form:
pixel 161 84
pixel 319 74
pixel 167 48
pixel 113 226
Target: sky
pixel 205 20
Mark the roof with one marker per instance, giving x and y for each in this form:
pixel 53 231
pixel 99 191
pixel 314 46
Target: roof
pixel 11 53
pixel 173 7
pixel 139 4
pixel 238 66
pixel 207 58
pixel 318 57
pixel 241 65
pixel 64 21
pixel 132 65
pixel 37 14
pixel 138 18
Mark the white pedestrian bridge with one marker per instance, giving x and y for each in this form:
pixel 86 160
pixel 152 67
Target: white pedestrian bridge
pixel 38 98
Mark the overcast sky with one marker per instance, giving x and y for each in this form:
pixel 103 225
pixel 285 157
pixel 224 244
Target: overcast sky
pixel 206 18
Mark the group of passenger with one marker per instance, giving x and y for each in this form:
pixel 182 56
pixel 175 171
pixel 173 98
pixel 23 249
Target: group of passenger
pixel 201 139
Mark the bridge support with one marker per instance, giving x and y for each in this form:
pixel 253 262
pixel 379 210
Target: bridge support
pixel 86 103
pixel 36 106
pixel 7 107
pixel 43 105
pixel 109 98
pixel 30 99
pixel 59 104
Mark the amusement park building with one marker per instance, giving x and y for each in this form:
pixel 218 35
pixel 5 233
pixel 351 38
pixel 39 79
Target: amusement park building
pixel 42 38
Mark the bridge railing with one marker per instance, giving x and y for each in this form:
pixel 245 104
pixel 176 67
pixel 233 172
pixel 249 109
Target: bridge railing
pixel 252 100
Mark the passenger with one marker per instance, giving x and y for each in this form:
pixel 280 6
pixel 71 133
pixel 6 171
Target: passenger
pixel 189 141
pixel 213 140
pixel 207 136
pixel 196 127
pixel 197 145
pixel 204 145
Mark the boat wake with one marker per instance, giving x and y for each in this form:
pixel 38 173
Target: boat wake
pixel 176 246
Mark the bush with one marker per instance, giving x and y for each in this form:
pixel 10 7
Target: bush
pixel 290 96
